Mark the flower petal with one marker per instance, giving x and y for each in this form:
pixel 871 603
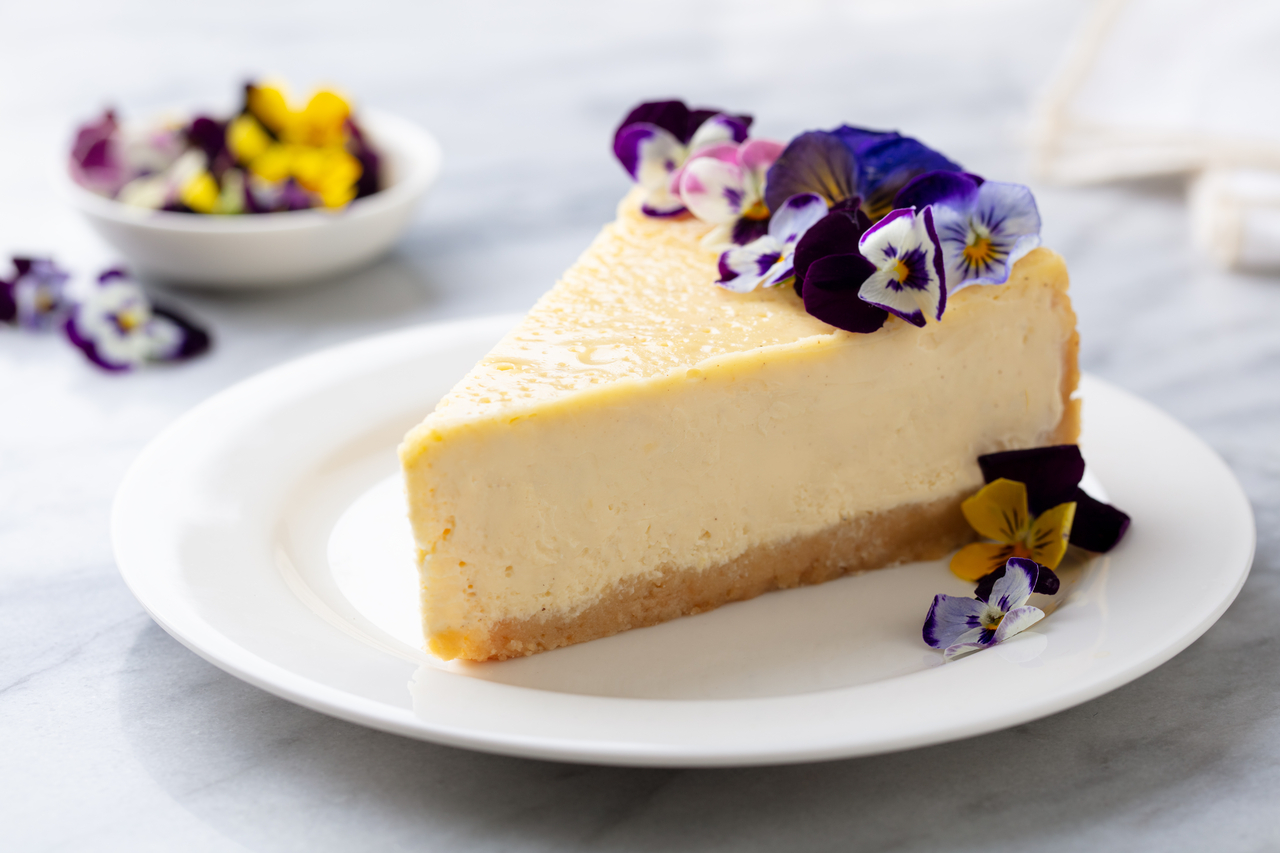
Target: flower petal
pixel 649 153
pixel 714 191
pixel 909 278
pixel 671 116
pixel 1016 621
pixel 758 155
pixel 813 162
pixel 743 268
pixel 1047 539
pixel 830 292
pixel 950 618
pixel 1098 526
pixel 1051 474
pixel 797 215
pixel 837 233
pixel 983 242
pixel 886 165
pixel 979 559
pixel 1047 583
pixel 747 229
pixel 1015 587
pixel 999 511
pixel 951 189
pixel 720 127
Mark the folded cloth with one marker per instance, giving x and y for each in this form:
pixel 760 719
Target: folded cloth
pixel 1177 87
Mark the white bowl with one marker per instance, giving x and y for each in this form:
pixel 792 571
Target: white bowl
pixel 273 249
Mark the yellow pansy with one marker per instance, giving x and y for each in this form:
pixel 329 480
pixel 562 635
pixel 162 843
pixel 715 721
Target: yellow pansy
pixel 200 193
pixel 999 511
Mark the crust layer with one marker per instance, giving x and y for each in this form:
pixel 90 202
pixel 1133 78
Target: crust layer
pixel 871 541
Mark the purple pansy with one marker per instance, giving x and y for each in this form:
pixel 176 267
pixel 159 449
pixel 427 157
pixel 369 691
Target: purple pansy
pixel 37 297
pixel 769 260
pixel 830 270
pixel 118 328
pixel 851 161
pixel 908 279
pixel 984 226
pixel 724 185
pixel 656 138
pixel 1052 476
pixel 960 625
pixel 95 158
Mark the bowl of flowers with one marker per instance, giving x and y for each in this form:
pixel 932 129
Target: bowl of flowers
pixel 277 194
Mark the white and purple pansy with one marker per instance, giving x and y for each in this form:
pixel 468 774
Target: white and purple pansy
pixel 908 280
pixel 770 260
pixel 724 186
pixel 36 298
pixel 118 328
pixel 656 138
pixel 984 227
pixel 851 161
pixel 960 625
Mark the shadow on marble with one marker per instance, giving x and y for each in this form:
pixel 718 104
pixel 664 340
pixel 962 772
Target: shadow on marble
pixel 1167 752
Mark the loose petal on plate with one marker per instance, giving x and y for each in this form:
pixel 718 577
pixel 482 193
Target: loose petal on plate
pixel 1047 538
pixel 830 292
pixel 1098 526
pixel 999 511
pixel 714 191
pixel 1015 587
pixel 908 280
pixel 116 327
pixel 979 559
pixel 1016 621
pixel 814 162
pixel 950 618
pixel 1047 583
pixel 1051 474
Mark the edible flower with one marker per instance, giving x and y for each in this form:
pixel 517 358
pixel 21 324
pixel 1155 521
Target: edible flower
pixel 830 270
pixel 1000 511
pixel 36 298
pixel 95 158
pixel 1052 476
pixel 985 227
pixel 657 137
pixel 959 625
pixel 724 185
pixel 908 280
pixel 769 260
pixel 119 329
pixel 851 161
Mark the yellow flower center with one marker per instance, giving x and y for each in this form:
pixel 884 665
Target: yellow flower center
pixel 993 622
pixel 900 271
pixel 759 210
pixel 978 253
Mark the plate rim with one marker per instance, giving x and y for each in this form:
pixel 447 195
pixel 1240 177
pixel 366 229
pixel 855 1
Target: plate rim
pixel 203 638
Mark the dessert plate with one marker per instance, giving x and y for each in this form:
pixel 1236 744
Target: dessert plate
pixel 265 530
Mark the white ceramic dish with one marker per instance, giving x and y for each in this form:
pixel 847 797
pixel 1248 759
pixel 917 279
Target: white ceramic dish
pixel 265 531
pixel 272 249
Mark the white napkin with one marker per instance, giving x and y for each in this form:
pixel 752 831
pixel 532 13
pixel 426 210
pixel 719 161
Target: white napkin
pixel 1159 87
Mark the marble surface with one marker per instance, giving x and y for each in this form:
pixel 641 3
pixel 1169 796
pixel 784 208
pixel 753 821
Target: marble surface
pixel 115 737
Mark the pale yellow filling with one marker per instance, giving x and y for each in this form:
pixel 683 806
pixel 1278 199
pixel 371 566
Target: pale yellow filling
pixel 641 417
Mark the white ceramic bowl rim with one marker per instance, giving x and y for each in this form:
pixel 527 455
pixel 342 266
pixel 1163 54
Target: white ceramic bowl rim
pixel 418 162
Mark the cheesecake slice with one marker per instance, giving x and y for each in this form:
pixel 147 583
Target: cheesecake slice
pixel 646 445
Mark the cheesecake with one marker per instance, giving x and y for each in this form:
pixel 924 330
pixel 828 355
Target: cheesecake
pixel 646 445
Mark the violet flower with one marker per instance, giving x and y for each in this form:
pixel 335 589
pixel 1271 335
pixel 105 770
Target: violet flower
pixel 119 329
pixel 724 185
pixel 36 299
pixel 830 270
pixel 769 260
pixel 851 161
pixel 656 138
pixel 959 625
pixel 908 279
pixel 985 227
pixel 95 157
pixel 1052 476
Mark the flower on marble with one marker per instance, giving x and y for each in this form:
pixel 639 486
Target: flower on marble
pixel 36 298
pixel 908 280
pixel 959 625
pixel 999 512
pixel 118 328
pixel 657 137
pixel 985 227
pixel 723 185
pixel 770 260
pixel 851 161
pixel 1052 477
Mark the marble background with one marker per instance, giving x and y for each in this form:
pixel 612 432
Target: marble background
pixel 115 737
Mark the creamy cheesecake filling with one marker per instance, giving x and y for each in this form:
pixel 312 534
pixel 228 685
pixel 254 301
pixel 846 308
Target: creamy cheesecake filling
pixel 536 487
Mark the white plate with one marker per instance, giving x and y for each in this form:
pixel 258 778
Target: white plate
pixel 265 531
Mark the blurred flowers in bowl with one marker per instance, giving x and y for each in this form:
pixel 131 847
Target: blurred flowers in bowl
pixel 275 195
